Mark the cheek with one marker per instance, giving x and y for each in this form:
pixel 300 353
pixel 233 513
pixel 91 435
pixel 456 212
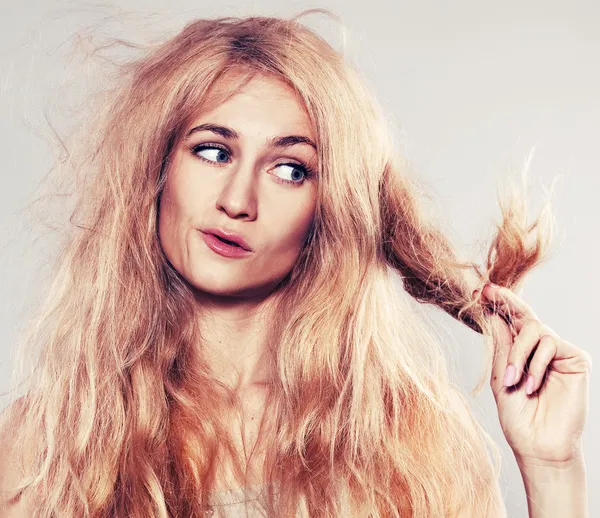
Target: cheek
pixel 166 218
pixel 175 215
pixel 292 230
pixel 183 198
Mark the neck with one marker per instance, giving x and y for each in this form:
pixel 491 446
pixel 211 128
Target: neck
pixel 235 335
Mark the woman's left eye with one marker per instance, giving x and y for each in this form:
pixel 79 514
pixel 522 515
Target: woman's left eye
pixel 299 172
pixel 296 170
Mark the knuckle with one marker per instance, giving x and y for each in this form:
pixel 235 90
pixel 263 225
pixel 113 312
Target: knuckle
pixel 528 333
pixel 584 356
pixel 586 361
pixel 546 330
pixel 534 322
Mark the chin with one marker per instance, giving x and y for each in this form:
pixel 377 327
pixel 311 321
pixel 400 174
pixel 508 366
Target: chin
pixel 236 289
pixel 219 288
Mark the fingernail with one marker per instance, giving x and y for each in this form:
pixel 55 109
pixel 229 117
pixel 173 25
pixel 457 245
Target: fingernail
pixel 510 375
pixel 529 385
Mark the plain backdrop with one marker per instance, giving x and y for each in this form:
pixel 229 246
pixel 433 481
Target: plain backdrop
pixel 471 87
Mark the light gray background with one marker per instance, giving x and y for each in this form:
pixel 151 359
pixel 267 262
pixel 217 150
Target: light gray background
pixel 471 86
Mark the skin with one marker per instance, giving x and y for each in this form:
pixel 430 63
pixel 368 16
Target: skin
pixel 542 405
pixel 240 189
pixel 543 423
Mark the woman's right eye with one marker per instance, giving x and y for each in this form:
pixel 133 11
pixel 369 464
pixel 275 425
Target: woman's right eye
pixel 212 154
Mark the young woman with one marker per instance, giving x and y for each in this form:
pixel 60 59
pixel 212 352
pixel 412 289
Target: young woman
pixel 223 318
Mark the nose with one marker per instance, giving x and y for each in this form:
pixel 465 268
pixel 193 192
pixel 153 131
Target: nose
pixel 238 195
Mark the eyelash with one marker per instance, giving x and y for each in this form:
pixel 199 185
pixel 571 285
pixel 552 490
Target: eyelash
pixel 308 171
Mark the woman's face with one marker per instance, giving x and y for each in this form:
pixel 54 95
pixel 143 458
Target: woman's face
pixel 235 177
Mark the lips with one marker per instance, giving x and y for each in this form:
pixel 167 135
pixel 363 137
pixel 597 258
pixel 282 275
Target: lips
pixel 229 237
pixel 226 241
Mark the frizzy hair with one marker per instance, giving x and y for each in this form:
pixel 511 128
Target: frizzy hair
pixel 119 413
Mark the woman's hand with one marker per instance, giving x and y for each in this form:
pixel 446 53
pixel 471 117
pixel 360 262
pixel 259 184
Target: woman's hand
pixel 543 400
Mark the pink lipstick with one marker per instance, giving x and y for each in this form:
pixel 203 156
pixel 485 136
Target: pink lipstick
pixel 224 248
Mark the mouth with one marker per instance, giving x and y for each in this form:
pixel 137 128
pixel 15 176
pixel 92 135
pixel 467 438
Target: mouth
pixel 226 241
pixel 228 238
pixel 225 247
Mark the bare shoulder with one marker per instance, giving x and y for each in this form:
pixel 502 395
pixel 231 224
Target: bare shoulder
pixel 10 469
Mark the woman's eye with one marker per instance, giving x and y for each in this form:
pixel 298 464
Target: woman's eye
pixel 211 153
pixel 293 173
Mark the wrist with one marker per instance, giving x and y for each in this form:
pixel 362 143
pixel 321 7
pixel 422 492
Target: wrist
pixel 555 489
pixel 575 463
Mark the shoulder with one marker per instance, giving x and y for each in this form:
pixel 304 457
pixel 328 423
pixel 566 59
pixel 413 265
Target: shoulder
pixel 11 469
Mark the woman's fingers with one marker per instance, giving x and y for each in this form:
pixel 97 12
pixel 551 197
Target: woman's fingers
pixel 544 354
pixel 514 343
pixel 531 346
pixel 524 344
pixel 509 304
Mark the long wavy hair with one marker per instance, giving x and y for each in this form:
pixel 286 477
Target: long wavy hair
pixel 119 416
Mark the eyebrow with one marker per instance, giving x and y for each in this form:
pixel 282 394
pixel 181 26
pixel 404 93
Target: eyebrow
pixel 228 133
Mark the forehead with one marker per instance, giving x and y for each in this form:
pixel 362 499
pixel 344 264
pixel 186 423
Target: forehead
pixel 266 103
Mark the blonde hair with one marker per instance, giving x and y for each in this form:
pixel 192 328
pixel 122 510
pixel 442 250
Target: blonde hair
pixel 120 406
